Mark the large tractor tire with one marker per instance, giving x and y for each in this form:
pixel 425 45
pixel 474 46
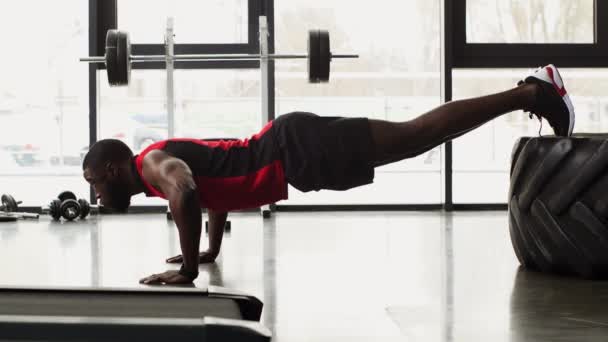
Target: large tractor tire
pixel 558 204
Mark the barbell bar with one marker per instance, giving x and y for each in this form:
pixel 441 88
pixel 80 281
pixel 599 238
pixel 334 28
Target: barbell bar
pixel 201 58
pixel 118 58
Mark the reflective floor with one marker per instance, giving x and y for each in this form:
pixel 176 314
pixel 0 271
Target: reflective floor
pixel 334 276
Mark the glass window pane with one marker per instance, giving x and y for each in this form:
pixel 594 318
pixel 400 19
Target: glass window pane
pixel 210 21
pixel 482 157
pixel 217 103
pixel 43 99
pixel 391 81
pixel 530 21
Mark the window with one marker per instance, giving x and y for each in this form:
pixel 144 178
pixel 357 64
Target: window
pixel 43 99
pixel 216 21
pixel 391 80
pixel 530 21
pixel 217 103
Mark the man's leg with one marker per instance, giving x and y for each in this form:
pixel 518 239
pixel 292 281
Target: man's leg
pixel 399 140
pixel 542 93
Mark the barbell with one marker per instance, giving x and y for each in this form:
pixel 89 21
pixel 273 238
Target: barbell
pixel 118 57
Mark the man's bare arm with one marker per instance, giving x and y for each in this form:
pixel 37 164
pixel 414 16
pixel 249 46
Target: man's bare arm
pixel 173 178
pixel 217 221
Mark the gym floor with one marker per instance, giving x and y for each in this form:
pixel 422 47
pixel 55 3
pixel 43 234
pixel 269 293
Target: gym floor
pixel 351 276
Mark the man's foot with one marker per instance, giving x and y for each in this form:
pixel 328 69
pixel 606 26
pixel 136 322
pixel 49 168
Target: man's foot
pixel 552 100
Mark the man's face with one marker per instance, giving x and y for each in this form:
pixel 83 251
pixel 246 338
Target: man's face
pixel 111 190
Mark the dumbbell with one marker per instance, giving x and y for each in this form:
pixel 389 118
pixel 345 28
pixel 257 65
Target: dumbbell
pixel 67 206
pixel 9 207
pixel 9 204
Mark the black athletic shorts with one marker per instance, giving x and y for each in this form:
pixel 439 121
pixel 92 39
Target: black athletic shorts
pixel 318 152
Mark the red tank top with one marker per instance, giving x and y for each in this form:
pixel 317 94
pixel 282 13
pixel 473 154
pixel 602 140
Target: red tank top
pixel 230 174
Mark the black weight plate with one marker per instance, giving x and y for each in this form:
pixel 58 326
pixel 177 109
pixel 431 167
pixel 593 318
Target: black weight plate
pixel 85 208
pixel 324 56
pixel 66 195
pixel 313 56
pixel 9 203
pixel 112 56
pixel 124 52
pixel 118 51
pixel 70 209
pixel 55 209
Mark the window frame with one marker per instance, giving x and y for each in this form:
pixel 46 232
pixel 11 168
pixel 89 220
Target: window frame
pixel 522 55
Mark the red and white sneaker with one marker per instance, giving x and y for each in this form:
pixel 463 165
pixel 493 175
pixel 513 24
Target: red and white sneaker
pixel 552 100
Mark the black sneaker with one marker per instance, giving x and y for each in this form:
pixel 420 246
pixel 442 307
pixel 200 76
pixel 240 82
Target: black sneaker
pixel 552 101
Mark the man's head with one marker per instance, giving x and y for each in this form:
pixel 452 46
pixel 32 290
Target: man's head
pixel 107 167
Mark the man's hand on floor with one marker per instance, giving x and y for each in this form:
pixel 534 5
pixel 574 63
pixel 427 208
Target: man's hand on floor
pixel 203 258
pixel 167 278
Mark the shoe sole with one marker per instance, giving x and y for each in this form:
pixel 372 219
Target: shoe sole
pixel 566 99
